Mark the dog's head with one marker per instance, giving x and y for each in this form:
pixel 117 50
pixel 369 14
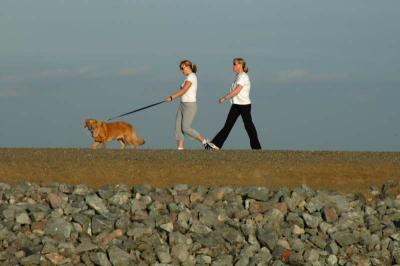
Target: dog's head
pixel 95 127
pixel 90 123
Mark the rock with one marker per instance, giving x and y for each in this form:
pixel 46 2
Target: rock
pixel 96 203
pixel 311 255
pixel 223 260
pixel 59 228
pixel 318 241
pixel 311 220
pixel 199 228
pixel 100 258
pixel 231 235
pixel 57 259
pixel 169 227
pixel 31 260
pixel 55 200
pixel 295 219
pixel 203 259
pixel 297 230
pixel 281 253
pixel 118 257
pixel 296 259
pixel 332 260
pixel 329 215
pixel 258 206
pixel 121 198
pixel 101 224
pixel 180 252
pixel 267 238
pixel 332 248
pixel 344 238
pixel 258 193
pixel 86 246
pixel 163 254
pixel 23 218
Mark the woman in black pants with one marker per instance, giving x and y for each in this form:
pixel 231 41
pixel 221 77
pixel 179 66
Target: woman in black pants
pixel 241 105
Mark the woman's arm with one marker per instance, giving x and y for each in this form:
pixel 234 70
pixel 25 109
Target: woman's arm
pixel 181 92
pixel 231 94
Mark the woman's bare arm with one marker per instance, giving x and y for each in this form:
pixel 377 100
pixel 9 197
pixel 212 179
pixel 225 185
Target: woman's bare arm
pixel 231 94
pixel 182 91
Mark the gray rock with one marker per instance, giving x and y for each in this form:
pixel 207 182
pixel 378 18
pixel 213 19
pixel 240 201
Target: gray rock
pixel 295 219
pixel 101 224
pixel 332 248
pixel 31 260
pixel 296 259
pixel 86 246
pixel 318 241
pixel 169 227
pixel 59 228
pixel 267 238
pixel 223 260
pixel 262 257
pixel 96 203
pixel 344 238
pixel 100 258
pixel 311 255
pixel 180 252
pixel 311 221
pixel 332 260
pixel 118 257
pixel 258 193
pixel 163 255
pixel 23 218
pixel 199 228
pixel 120 198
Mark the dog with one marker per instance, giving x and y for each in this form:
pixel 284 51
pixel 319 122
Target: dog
pixel 103 132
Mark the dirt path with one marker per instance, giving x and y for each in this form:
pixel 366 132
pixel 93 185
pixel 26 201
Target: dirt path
pixel 342 171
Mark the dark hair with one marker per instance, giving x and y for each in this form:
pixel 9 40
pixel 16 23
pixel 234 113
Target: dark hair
pixel 189 63
pixel 241 61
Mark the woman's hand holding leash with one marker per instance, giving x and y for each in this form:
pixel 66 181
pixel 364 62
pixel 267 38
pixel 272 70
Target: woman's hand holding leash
pixel 169 99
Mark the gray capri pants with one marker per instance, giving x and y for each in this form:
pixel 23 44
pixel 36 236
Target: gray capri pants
pixel 184 118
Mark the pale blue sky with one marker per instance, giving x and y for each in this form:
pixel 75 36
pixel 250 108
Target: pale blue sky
pixel 325 75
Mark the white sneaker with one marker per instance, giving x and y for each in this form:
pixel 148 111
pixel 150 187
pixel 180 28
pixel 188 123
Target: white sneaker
pixel 211 146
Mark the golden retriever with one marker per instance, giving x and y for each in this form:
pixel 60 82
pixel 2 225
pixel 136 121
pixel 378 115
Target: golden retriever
pixel 103 132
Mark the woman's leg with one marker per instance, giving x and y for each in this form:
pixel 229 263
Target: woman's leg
pixel 188 113
pixel 222 135
pixel 178 128
pixel 245 111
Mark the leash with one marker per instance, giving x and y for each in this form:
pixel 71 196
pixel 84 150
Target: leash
pixel 134 111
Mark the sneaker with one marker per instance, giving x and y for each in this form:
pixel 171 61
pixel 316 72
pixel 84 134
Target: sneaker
pixel 211 146
pixel 205 143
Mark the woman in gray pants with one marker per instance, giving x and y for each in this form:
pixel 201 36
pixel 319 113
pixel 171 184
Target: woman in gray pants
pixel 188 106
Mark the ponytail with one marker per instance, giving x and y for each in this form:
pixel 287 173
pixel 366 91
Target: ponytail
pixel 194 68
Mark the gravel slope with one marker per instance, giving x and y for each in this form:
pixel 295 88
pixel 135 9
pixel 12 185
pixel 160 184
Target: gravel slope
pixel 341 171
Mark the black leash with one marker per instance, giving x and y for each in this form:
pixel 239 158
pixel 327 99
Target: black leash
pixel 137 110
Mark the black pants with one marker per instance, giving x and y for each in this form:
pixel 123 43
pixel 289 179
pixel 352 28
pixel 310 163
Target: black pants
pixel 234 112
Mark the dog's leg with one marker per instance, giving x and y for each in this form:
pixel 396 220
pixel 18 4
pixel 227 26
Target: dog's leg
pixel 94 145
pixel 122 144
pixel 104 145
pixel 131 143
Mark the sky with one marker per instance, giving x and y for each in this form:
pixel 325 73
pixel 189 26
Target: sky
pixel 325 74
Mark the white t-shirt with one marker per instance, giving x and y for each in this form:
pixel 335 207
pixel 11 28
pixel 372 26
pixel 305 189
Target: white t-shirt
pixel 243 97
pixel 190 95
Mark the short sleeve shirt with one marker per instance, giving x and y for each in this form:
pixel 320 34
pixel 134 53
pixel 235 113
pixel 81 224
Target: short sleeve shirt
pixel 191 94
pixel 243 97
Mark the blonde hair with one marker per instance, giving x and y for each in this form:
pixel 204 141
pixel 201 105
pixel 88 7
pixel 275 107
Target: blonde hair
pixel 241 61
pixel 189 63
